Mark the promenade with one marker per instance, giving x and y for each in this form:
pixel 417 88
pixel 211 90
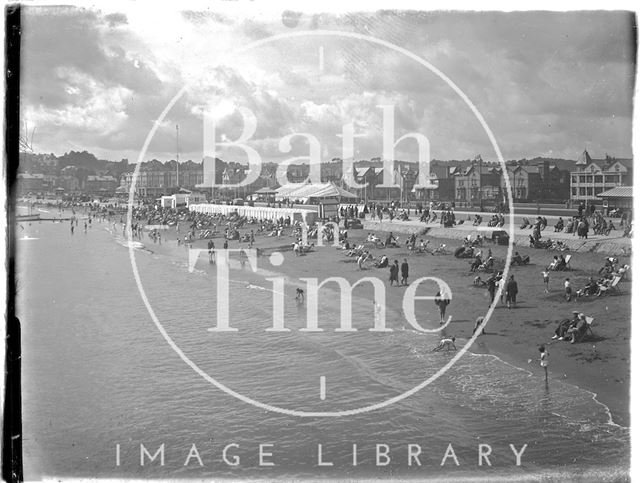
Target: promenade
pixel 613 244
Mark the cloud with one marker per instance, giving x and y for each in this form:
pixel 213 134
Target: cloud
pixel 544 82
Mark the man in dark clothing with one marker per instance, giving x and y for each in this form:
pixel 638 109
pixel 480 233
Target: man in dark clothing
pixel 491 287
pixel 511 290
pixel 393 273
pixel 211 247
pixel 404 270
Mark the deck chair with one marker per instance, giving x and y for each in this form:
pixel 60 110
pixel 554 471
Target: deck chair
pixel 614 285
pixel 611 288
pixel 589 325
pixel 567 261
pixel 588 330
pixel 623 271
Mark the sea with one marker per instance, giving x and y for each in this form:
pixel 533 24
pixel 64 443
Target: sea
pixel 111 391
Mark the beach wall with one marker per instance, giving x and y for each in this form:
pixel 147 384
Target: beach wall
pixel 261 212
pixel 613 245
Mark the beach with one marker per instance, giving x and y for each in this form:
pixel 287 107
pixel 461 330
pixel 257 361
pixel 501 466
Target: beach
pixel 600 365
pixel 121 384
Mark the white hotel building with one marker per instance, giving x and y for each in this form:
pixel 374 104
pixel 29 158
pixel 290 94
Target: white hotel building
pixel 594 176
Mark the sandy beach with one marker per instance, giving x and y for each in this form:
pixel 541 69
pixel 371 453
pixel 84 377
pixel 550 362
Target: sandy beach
pixel 599 364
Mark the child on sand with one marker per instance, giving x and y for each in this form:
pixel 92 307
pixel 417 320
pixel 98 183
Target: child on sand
pixel 544 360
pixel 545 280
pixel 567 289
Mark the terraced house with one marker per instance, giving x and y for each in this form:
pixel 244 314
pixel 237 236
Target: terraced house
pixel 477 184
pixel 540 182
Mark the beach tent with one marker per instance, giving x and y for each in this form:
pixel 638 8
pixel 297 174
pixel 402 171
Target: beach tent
pixel 313 192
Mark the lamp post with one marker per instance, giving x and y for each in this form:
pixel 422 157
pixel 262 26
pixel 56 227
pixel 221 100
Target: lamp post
pixel 480 180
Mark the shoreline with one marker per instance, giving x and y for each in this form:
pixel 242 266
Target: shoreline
pixel 586 365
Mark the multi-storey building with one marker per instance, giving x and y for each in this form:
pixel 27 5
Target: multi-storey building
pixel 29 183
pixel 69 183
pixel 594 176
pixel 156 178
pixel 100 185
pixel 541 182
pixel 477 183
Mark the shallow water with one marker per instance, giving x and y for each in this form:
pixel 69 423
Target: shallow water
pixel 98 373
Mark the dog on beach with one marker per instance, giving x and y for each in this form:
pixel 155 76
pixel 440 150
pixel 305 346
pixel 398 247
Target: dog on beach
pixel 446 342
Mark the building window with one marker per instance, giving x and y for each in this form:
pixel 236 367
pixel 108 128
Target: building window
pixel 582 191
pixel 589 179
pixel 574 179
pixel 598 178
pixel 574 191
pixel 581 179
pixel 589 191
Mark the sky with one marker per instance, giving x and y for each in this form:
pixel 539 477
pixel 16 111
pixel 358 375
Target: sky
pixel 547 84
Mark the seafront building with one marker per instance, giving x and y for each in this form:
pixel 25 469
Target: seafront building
pixel 469 183
pixel 592 177
pixel 619 199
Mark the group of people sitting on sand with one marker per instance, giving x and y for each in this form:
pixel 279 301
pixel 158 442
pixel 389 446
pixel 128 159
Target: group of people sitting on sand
pixel 426 218
pixel 573 329
pixel 390 241
pixel 610 275
pixel 558 264
pixel 496 220
pixel 480 264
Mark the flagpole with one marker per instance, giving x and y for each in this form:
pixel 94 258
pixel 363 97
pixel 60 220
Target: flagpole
pixel 177 157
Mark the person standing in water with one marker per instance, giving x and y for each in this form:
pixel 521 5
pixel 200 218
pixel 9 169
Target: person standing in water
pixel 544 361
pixel 442 303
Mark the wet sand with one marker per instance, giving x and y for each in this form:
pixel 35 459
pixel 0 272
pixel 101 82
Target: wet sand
pixel 600 364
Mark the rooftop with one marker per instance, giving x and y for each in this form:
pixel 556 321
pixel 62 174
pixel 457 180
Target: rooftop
pixel 618 192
